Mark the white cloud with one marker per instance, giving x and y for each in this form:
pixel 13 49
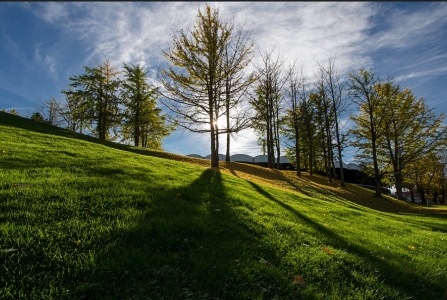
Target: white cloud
pixel 407 29
pixel 309 31
pixel 135 32
pixel 53 12
pixel 426 73
pixel 48 61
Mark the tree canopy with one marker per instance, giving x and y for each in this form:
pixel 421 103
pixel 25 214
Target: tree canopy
pixel 197 86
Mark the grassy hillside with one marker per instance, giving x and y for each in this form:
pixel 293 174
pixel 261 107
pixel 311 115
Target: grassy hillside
pixel 86 219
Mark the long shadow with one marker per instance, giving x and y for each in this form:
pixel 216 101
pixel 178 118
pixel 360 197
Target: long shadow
pixel 379 204
pixel 188 243
pixel 425 287
pixel 181 241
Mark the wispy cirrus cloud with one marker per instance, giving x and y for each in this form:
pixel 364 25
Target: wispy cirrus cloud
pixel 14 49
pixel 403 28
pixel 136 33
pixel 47 61
pixel 124 32
pixel 358 33
pixel 309 32
pixel 424 73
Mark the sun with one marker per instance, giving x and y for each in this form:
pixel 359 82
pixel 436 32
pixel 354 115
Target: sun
pixel 221 123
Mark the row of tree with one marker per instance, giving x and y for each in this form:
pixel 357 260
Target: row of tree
pixel 111 108
pixel 212 87
pixel 209 80
pixel 394 129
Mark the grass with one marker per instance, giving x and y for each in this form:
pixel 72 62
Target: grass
pixel 86 219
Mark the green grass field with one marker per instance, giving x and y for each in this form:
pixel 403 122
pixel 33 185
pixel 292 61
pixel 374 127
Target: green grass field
pixel 86 219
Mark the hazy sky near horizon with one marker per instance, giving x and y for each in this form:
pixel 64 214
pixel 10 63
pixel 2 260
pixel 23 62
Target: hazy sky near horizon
pixel 43 43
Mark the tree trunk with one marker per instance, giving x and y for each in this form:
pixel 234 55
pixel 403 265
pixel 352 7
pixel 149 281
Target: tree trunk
pixel 310 151
pixel 376 173
pixel 337 135
pixel 214 161
pixel 297 150
pixel 227 155
pixel 137 130
pixel 326 167
pixel 398 178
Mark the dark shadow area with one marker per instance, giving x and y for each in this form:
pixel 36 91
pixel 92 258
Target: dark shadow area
pixel 187 243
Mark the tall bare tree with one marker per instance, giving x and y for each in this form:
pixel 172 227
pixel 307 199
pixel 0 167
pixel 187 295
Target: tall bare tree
pixel 333 92
pixel 295 95
pixel 194 85
pixel 237 56
pixel 268 104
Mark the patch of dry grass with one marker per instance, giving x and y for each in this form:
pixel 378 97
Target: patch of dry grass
pixel 316 186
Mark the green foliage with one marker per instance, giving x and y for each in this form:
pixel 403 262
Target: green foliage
pixel 116 108
pixel 370 121
pixel 143 120
pixel 37 116
pixel 95 97
pixel 394 129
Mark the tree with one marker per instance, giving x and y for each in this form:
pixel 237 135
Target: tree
pixel 37 116
pixel 411 130
pixel 74 112
pixel 268 104
pixel 194 84
pixel 50 112
pixel 326 115
pixel 307 111
pixel 296 95
pixel 143 121
pixel 323 148
pixel 306 119
pixel 370 120
pixel 98 91
pixel 237 56
pixel 332 85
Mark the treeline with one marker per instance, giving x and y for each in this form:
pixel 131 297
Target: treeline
pixel 110 108
pixel 213 87
pixel 399 138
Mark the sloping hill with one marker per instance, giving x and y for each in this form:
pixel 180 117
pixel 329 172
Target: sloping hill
pixel 86 219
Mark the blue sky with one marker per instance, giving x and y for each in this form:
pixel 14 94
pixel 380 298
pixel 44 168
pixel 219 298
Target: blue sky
pixel 41 44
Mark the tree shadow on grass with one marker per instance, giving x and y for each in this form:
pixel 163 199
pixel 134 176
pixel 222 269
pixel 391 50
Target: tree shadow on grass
pixel 186 241
pixel 188 244
pixel 316 187
pixel 394 276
